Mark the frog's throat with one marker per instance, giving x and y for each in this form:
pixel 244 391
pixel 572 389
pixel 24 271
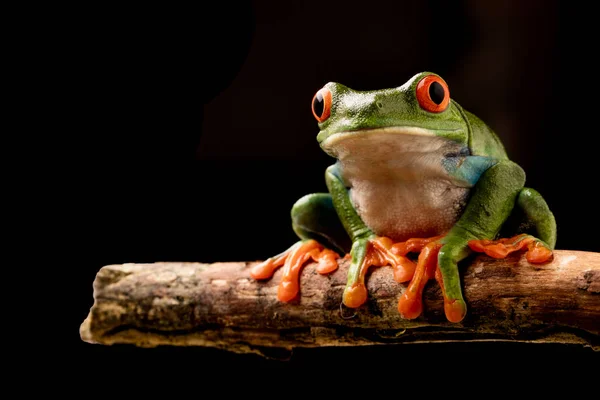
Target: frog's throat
pixel 389 137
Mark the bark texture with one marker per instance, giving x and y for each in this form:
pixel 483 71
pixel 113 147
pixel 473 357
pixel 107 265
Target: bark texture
pixel 220 305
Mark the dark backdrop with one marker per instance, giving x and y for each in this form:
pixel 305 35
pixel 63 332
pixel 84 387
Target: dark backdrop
pixel 193 134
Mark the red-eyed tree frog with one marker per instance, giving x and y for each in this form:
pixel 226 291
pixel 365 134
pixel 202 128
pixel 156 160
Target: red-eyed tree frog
pixel 415 172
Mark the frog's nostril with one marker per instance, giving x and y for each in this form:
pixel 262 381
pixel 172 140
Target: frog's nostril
pixel 379 104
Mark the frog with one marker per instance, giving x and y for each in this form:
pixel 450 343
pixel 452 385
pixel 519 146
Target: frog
pixel 418 184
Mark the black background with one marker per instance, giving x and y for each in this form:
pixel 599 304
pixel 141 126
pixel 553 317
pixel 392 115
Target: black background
pixel 186 135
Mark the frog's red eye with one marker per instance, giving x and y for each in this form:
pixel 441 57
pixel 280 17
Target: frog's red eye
pixel 433 94
pixel 321 105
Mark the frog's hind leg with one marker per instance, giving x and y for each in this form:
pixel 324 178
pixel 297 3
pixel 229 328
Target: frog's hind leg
pixel 535 226
pixel 536 219
pixel 316 223
pixel 314 217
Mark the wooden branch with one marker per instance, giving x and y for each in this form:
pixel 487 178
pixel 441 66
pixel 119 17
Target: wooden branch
pixel 219 305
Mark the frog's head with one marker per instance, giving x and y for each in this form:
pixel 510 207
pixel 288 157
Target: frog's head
pixel 422 107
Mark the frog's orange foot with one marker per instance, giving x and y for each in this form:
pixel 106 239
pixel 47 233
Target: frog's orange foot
pixel 383 251
pixel 292 261
pixel 410 304
pixel 415 245
pixel 537 251
pixel 379 252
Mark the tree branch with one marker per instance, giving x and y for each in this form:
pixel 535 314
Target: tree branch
pixel 219 305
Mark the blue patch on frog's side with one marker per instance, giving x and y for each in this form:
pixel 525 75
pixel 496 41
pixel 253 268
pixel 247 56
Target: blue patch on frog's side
pixel 467 169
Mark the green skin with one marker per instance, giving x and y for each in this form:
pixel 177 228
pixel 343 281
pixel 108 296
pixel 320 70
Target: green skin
pixel 462 156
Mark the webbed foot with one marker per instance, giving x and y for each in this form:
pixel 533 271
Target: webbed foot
pixel 381 251
pixel 537 251
pixel 292 260
pixel 410 304
pixel 375 251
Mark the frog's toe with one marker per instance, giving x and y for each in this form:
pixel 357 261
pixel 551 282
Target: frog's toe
pixel 287 290
pixel 265 269
pixel 326 259
pixel 410 304
pixel 406 270
pixel 537 251
pixel 385 252
pixel 293 260
pixel 455 309
pixel 355 295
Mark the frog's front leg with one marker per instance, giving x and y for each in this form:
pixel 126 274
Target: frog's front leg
pixel 492 202
pixel 490 205
pixel 315 222
pixel 367 249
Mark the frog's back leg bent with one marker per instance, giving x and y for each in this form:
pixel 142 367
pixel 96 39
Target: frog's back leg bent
pixel 532 215
pixel 317 225
pixel 314 217
pixel 534 225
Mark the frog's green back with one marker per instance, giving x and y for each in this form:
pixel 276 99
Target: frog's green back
pixel 483 141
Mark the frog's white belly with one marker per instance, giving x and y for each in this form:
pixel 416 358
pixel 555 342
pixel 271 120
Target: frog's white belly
pixel 398 185
pixel 405 210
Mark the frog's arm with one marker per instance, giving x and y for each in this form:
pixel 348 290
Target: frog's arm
pixel 353 224
pixel 357 230
pixel 491 203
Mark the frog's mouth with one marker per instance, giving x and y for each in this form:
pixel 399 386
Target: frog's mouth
pixel 387 143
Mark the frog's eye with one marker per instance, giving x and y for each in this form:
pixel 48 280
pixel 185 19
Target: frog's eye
pixel 433 94
pixel 321 105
